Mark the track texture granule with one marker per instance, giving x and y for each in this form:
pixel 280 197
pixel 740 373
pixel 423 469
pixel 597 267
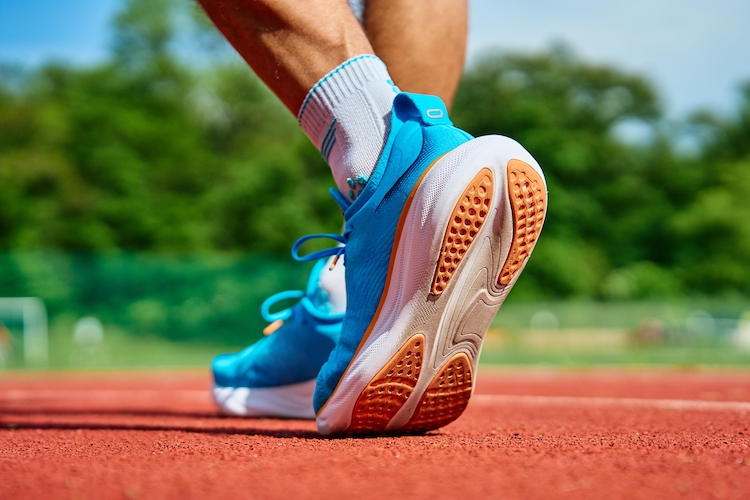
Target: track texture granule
pixel 525 434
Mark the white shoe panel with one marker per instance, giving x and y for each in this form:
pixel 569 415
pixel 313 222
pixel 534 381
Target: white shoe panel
pixel 288 401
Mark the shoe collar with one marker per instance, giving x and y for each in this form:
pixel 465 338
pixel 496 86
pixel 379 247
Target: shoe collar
pixel 410 113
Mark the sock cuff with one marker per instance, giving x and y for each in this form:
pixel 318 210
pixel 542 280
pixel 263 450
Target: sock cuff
pixel 315 114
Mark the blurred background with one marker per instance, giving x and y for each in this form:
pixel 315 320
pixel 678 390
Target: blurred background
pixel 150 185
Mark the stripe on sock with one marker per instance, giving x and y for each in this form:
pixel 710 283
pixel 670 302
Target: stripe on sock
pixel 347 116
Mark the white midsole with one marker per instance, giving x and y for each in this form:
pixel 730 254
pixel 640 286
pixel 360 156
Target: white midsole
pixel 457 320
pixel 287 401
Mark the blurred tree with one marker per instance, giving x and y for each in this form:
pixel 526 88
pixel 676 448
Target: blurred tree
pixel 714 230
pixel 148 153
pixel 727 137
pixel 155 151
pixel 608 199
pixel 143 31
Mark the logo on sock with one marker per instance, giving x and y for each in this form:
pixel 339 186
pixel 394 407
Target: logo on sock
pixel 328 141
pixel 347 116
pixel 355 187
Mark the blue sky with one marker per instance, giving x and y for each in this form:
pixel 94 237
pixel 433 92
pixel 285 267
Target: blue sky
pixel 695 51
pixel 33 31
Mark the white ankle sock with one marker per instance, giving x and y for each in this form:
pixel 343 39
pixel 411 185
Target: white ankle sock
pixel 347 116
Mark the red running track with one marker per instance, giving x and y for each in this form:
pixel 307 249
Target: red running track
pixel 526 434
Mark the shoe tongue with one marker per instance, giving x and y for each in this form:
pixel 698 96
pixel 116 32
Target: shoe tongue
pixel 330 294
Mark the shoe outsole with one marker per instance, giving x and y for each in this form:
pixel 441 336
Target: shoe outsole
pixel 449 392
pixel 388 390
pixel 466 221
pixel 528 197
pixel 446 397
pixel 494 224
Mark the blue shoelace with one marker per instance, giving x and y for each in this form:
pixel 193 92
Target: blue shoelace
pixel 336 251
pixel 276 319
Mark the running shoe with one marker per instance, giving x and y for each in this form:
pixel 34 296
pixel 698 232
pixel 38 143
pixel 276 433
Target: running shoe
pixel 275 377
pixel 433 244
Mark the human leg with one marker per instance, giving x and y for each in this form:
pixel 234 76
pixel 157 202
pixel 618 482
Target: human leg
pixel 298 46
pixel 290 44
pixel 269 378
pixel 435 237
pixel 423 42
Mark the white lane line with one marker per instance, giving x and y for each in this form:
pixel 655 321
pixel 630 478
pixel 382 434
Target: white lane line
pixel 486 400
pixel 664 404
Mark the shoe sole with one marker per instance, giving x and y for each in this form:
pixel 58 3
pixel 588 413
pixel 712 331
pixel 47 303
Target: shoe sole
pixel 287 401
pixel 479 210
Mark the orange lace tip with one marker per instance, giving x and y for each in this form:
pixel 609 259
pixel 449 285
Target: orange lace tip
pixel 333 263
pixel 272 327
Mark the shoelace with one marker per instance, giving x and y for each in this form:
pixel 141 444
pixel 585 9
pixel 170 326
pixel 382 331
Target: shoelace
pixel 336 251
pixel 276 319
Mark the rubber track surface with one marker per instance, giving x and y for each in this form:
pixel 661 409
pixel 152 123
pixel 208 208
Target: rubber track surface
pixel 525 434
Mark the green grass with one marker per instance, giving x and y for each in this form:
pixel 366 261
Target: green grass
pixel 513 345
pixel 589 314
pixel 121 350
pixel 124 351
pixel 656 356
pixel 687 339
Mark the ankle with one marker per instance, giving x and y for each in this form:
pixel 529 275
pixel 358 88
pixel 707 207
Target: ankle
pixel 346 115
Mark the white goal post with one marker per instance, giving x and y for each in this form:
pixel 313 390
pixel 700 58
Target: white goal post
pixel 33 316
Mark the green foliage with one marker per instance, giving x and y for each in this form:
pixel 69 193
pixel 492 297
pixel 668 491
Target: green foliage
pixel 715 231
pixel 728 138
pixel 213 299
pixel 143 30
pixel 625 221
pixel 159 157
pixel 151 153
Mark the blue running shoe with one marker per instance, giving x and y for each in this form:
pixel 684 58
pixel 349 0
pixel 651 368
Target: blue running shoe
pixel 275 377
pixel 433 243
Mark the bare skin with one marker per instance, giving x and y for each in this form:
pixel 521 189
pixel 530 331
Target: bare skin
pixel 423 43
pixel 292 44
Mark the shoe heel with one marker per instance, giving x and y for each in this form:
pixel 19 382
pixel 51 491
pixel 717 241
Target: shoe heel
pixel 449 392
pixel 446 397
pixel 388 391
pixel 528 203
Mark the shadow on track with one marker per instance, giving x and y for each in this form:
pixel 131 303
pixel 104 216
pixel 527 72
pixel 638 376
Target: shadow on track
pixel 135 411
pixel 250 431
pixel 197 428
